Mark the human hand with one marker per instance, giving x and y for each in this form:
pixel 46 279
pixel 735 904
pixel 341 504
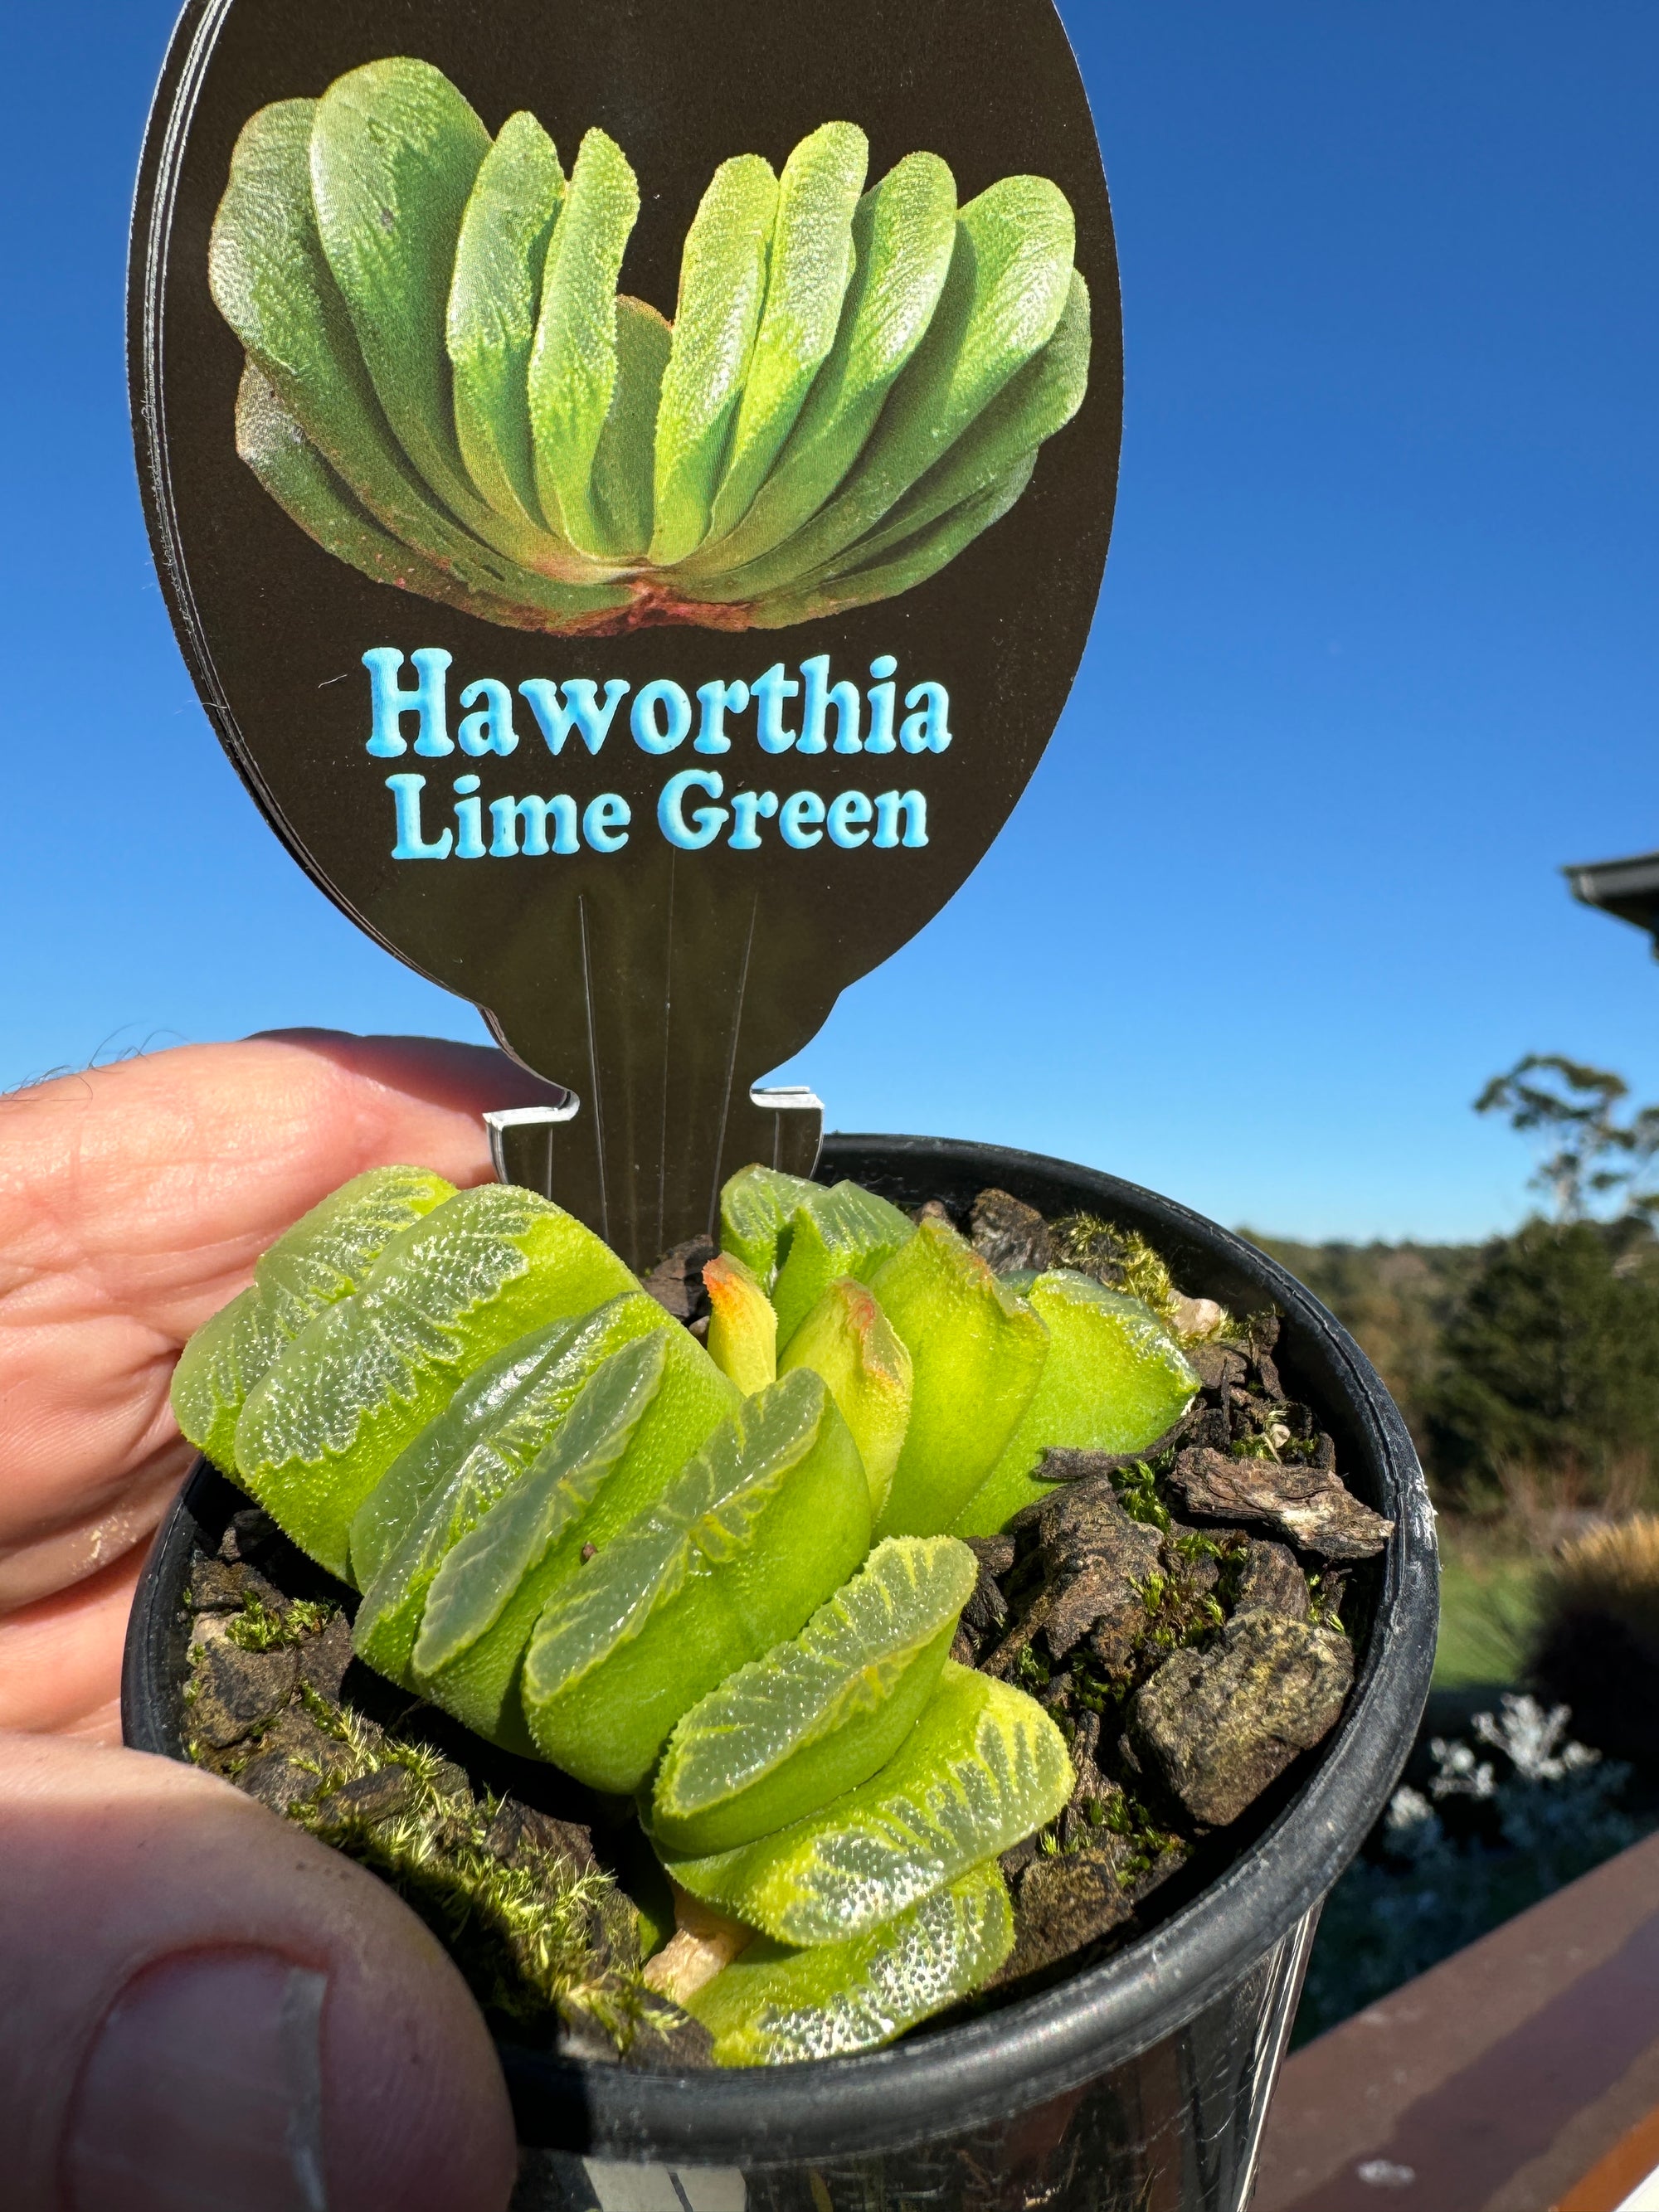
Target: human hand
pixel 204 2006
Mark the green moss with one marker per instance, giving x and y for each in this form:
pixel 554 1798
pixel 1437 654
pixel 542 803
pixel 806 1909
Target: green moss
pixel 260 1627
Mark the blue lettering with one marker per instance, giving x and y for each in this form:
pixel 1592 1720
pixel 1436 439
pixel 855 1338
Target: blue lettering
pixel 821 696
pixel 882 697
pixel 928 731
pixel 890 805
pixel 802 811
pixel 427 698
pixel 507 813
pixel 653 735
pixel 770 692
pixel 748 806
pixel 490 729
pixel 469 812
pixel 709 821
pixel 412 845
pixel 603 824
pixel 848 809
pixel 580 709
pixel 718 700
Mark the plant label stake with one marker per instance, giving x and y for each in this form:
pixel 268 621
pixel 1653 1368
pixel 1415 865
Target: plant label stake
pixel 632 490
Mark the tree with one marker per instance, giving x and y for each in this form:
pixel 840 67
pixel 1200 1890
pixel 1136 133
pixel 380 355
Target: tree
pixel 1552 1355
pixel 1597 1157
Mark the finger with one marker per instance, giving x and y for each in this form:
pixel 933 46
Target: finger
pixel 207 2008
pixel 134 1201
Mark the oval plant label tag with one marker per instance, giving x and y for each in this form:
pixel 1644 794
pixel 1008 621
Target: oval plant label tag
pixel 632 486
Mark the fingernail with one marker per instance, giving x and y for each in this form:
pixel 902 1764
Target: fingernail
pixel 203 2091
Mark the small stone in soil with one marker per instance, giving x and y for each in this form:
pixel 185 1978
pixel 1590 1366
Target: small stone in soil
pixel 1008 1235
pixel 1093 1557
pixel 676 1281
pixel 1306 1503
pixel 324 1657
pixel 1065 1899
pixel 1216 1364
pixel 1220 1725
pixel 237 1691
pixel 378 1796
pixel 520 1831
pixel 216 1586
pixel 1272 1581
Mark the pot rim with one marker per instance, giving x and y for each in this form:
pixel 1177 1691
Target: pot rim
pixel 1041 2046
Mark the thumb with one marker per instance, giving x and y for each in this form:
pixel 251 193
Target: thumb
pixel 208 2011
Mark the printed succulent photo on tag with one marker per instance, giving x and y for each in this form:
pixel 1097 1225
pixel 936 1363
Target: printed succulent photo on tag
pixel 445 387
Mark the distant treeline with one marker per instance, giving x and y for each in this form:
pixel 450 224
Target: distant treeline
pixel 1529 1366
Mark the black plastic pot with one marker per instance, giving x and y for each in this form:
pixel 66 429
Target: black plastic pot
pixel 1138 2085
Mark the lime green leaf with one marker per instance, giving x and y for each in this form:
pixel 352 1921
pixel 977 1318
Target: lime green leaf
pixel 495 299
pixel 1115 1380
pixel 272 283
pixel 1029 410
pixel 783 1736
pixel 774 2004
pixel 849 1341
pixel 756 1207
pixel 843 1230
pixel 623 463
pixel 722 289
pixel 742 1325
pixel 771 1515
pixel 902 236
pixel 977 1354
pixel 573 369
pixel 983 1768
pixel 483 1443
pixel 320 1260
pixel 395 152
pixel 909 563
pixel 217 1368
pixel 270 441
pixel 811 261
pixel 1009 276
pixel 361 1380
pixel 637 1430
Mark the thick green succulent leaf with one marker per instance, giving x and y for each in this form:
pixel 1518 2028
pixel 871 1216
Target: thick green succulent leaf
pixel 735 1555
pixel 270 440
pixel 743 1324
pixel 756 1207
pixel 492 1570
pixel 776 2004
pixel 843 1230
pixel 982 1768
pixel 217 1368
pixel 811 261
pixel 903 236
pixel 1115 1380
pixel 849 1341
pixel 1009 276
pixel 395 152
pixel 319 1260
pixel 1028 410
pixel 722 290
pixel 908 564
pixel 494 301
pixel 783 1736
pixel 641 1420
pixel 483 1443
pixel 573 368
pixel 273 285
pixel 977 1355
pixel 624 464
pixel 361 1380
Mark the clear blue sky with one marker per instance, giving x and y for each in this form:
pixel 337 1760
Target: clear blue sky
pixel 1377 649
